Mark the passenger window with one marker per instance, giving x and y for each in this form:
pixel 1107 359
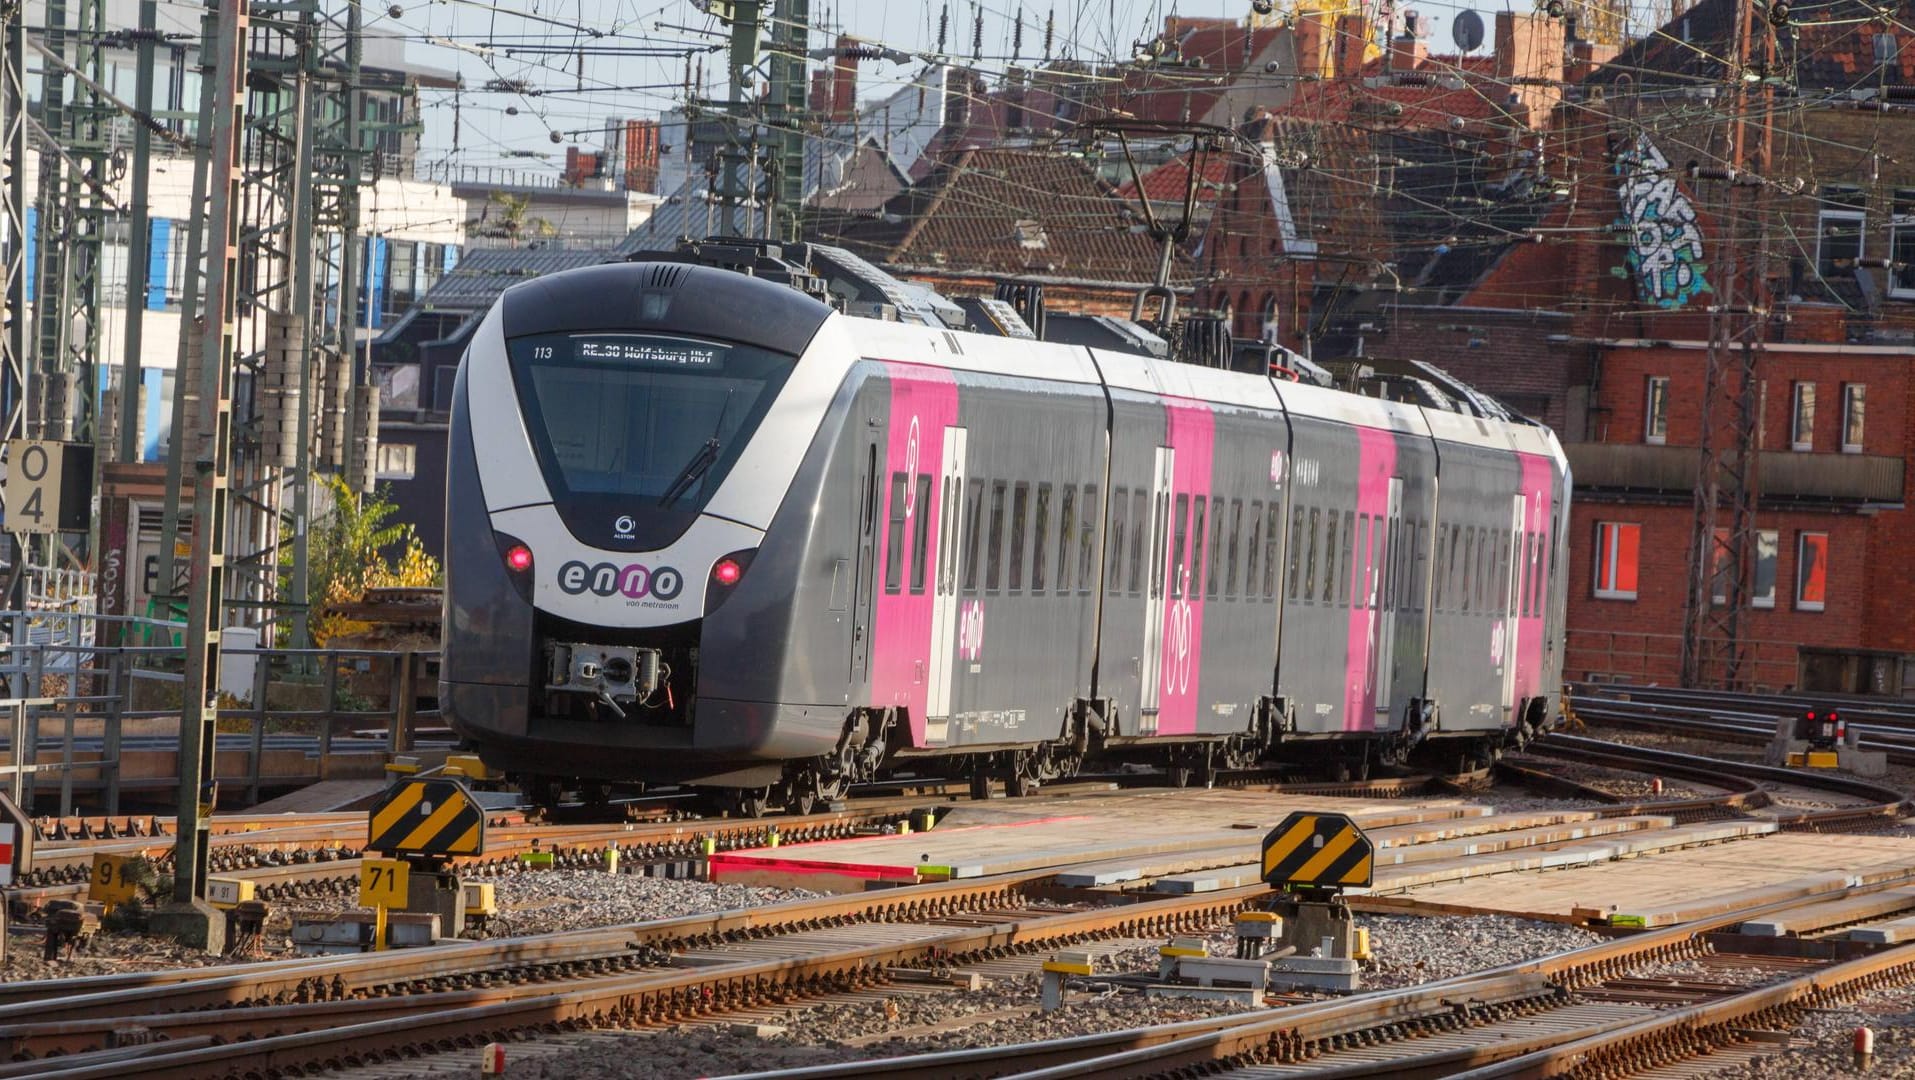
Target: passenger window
pixel 1296 552
pixel 973 512
pixel 995 559
pixel 1419 576
pixel 1040 537
pixel 922 532
pixel 1310 558
pixel 1236 546
pixel 1119 508
pixel 1194 580
pixel 1469 564
pixel 894 536
pixel 1086 537
pixel 1211 573
pixel 1393 564
pixel 947 539
pixel 1160 540
pixel 1330 557
pixel 1256 541
pixel 1378 553
pixel 1139 517
pixel 1182 525
pixel 1358 597
pixel 1272 522
pixel 1066 533
pixel 1020 512
pixel 1505 566
pixel 1343 573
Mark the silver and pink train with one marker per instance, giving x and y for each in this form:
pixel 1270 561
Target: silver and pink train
pixel 706 529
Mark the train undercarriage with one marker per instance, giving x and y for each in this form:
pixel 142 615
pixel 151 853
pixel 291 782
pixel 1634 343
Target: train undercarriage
pixel 871 750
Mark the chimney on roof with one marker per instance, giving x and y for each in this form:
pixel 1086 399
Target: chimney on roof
pixel 844 80
pixel 1352 42
pixel 1585 57
pixel 1408 53
pixel 819 100
pixel 1310 38
pixel 1529 47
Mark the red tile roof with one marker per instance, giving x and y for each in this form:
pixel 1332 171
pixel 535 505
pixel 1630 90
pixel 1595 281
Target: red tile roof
pixel 1169 181
pixel 999 211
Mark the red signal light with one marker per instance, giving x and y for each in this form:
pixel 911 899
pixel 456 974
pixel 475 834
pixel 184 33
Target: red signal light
pixel 1811 716
pixel 519 558
pixel 727 572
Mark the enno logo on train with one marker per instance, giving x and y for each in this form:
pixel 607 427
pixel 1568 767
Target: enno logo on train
pixel 635 581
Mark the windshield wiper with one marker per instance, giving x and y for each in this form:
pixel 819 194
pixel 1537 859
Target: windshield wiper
pixel 701 461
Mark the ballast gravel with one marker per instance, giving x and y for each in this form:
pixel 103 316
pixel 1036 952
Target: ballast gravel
pixel 530 902
pixel 1823 1042
pixel 1415 949
pixel 546 901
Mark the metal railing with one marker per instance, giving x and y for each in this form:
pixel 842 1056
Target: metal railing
pixel 1646 658
pixel 109 706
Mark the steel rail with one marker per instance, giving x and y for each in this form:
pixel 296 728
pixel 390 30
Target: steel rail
pixel 321 978
pixel 1680 1032
pixel 658 996
pixel 1883 801
pixel 1199 1046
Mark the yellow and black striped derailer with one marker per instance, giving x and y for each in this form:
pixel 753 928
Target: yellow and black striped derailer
pixel 1318 853
pixel 431 818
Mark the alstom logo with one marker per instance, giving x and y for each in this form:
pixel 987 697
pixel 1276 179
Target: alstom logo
pixel 634 581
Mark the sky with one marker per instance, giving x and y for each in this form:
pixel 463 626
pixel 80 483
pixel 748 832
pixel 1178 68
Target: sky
pixel 531 41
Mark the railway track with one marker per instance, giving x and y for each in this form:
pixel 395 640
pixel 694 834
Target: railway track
pixel 1872 803
pixel 1742 718
pixel 269 1019
pixel 1587 1012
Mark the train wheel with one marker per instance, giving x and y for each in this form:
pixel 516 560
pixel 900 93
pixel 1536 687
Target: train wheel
pixel 750 802
pixel 980 779
pixel 1018 781
pixel 802 801
pixel 1177 773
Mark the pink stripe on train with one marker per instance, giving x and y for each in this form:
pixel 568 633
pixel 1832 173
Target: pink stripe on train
pixel 924 401
pixel 1376 463
pixel 1192 429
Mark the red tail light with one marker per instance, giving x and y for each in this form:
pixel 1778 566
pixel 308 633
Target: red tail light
pixel 518 558
pixel 727 572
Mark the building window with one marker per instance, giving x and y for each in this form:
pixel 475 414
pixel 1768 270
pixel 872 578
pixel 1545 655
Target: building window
pixel 1839 230
pixel 1854 399
pixel 1811 570
pixel 1616 546
pixel 1802 419
pixel 402 268
pixel 1901 245
pixel 1656 411
pixel 397 461
pixel 1768 543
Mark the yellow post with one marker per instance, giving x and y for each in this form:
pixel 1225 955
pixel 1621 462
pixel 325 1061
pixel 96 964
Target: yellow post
pixel 379 928
pixel 774 839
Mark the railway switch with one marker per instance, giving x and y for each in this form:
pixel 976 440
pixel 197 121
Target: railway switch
pixel 1058 968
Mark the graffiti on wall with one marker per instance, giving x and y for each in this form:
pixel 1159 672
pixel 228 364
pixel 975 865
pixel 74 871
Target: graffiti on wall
pixel 1665 244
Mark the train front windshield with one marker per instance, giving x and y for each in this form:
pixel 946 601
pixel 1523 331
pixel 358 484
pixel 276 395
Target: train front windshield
pixel 640 425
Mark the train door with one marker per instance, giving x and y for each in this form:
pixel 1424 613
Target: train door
pixel 1384 592
pixel 1505 650
pixel 865 573
pixel 1153 660
pixel 944 600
